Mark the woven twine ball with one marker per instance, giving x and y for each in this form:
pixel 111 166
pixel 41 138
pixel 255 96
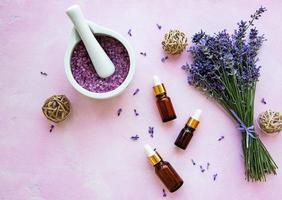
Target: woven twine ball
pixel 56 108
pixel 174 42
pixel 270 122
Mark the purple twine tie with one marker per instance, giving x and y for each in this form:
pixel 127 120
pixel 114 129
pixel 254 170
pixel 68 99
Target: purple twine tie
pixel 243 128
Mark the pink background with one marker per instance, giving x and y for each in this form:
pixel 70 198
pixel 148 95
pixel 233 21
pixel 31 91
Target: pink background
pixel 91 156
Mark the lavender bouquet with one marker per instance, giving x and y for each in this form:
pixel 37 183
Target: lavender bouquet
pixel 225 68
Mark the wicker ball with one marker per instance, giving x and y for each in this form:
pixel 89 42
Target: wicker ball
pixel 56 108
pixel 174 42
pixel 270 122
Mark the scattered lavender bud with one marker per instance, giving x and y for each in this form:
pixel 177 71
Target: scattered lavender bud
pixel 214 177
pixel 164 193
pixel 185 66
pixel 208 165
pixel 159 26
pixel 119 111
pixel 263 101
pixel 51 128
pixel 155 149
pixel 135 112
pixel 202 169
pixel 143 53
pixel 136 91
pixel 134 138
pixel 164 59
pixel 221 138
pixel 151 131
pixel 129 33
pixel 43 73
pixel 193 162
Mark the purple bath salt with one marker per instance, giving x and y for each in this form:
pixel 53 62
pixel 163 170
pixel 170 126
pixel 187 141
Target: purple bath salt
pixel 85 74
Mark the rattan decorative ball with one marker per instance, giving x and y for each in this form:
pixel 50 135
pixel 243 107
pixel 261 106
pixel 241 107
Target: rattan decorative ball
pixel 56 108
pixel 174 42
pixel 270 122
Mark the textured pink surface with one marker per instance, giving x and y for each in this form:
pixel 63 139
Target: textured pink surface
pixel 90 156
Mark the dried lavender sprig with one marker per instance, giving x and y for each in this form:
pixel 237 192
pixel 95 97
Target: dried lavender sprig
pixel 164 193
pixel 134 138
pixel 208 165
pixel 135 112
pixel 215 176
pixel 263 101
pixel 44 73
pixel 257 15
pixel 129 33
pixel 164 59
pixel 202 169
pixel 119 111
pixel 143 53
pixel 136 91
pixel 51 128
pixel 151 131
pixel 221 138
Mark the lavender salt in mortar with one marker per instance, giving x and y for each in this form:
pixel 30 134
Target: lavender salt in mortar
pixel 84 73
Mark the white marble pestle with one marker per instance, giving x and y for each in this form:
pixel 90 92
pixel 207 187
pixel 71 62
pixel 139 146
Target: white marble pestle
pixel 100 60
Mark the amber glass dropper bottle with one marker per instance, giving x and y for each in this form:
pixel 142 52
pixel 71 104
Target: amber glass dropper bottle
pixel 163 101
pixel 186 133
pixel 164 170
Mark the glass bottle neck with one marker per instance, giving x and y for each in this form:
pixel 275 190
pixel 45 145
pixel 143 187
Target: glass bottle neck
pixel 161 95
